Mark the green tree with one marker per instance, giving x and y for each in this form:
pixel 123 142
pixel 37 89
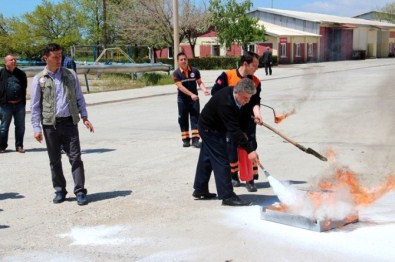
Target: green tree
pixel 56 22
pixel 93 21
pixel 22 40
pixel 4 34
pixel 387 13
pixel 49 22
pixel 233 24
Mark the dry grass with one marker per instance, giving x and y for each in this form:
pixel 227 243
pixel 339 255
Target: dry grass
pixel 112 82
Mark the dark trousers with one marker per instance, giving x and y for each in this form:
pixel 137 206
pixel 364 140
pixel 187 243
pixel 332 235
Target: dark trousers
pixel 188 111
pixel 213 157
pixel 65 134
pixel 268 68
pixel 7 112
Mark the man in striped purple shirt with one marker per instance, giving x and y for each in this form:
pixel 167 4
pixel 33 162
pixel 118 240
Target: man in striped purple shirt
pixel 56 104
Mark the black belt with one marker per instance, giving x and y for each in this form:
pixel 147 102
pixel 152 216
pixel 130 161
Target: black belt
pixel 14 101
pixel 63 119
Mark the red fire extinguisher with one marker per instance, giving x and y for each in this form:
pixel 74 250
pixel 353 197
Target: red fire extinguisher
pixel 245 165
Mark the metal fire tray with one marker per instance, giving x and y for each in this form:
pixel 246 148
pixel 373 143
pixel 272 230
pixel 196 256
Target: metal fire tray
pixel 303 222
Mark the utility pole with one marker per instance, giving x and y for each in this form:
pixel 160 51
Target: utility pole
pixel 176 34
pixel 272 4
pixel 105 26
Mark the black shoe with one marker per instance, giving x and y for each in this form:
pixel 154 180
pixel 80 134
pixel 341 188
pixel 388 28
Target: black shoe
pixel 204 195
pixel 20 149
pixel 251 186
pixel 235 201
pixel 235 182
pixel 81 199
pixel 186 144
pixel 59 197
pixel 196 144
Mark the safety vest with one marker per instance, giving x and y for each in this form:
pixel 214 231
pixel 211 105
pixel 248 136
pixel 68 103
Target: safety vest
pixel 48 96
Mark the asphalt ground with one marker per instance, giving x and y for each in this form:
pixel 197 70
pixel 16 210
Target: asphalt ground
pixel 139 178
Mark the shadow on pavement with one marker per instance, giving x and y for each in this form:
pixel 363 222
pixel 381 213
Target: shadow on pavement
pixel 37 149
pixel 262 184
pixel 11 195
pixel 295 182
pixel 104 195
pixel 98 150
pixel 260 200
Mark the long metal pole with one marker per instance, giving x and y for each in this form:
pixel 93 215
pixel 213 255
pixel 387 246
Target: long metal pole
pixel 176 35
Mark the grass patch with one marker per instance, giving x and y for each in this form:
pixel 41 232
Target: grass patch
pixel 112 82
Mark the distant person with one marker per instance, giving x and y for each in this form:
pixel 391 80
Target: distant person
pixel 69 63
pixel 186 79
pixel 249 62
pixel 56 104
pixel 267 61
pixel 13 85
pixel 221 115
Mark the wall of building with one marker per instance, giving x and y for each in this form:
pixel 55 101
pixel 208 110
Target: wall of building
pixel 360 38
pixel 372 43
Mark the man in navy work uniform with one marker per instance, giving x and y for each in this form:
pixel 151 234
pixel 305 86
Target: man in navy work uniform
pixel 222 114
pixel 57 103
pixel 186 79
pixel 13 84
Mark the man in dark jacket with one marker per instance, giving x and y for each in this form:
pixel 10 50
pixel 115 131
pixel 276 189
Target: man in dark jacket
pixel 249 62
pixel 13 84
pixel 222 114
pixel 267 61
pixel 69 63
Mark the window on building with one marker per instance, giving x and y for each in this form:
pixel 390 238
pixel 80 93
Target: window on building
pixel 310 49
pixel 391 49
pixel 297 50
pixel 251 48
pixel 170 53
pixel 283 49
pixel 215 50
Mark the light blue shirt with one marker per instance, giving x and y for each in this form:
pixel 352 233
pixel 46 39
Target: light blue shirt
pixel 237 103
pixel 62 107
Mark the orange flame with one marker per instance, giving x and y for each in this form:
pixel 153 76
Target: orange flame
pixel 329 189
pixel 345 178
pixel 279 118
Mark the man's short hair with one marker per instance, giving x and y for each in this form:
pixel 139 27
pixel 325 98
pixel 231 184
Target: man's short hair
pixel 50 48
pixel 8 54
pixel 248 57
pixel 181 54
pixel 245 85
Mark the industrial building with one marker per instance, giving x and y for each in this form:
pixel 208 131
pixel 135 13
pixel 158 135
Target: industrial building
pixel 301 37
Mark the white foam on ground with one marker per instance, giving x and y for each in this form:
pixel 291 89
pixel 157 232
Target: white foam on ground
pixel 42 256
pixel 101 235
pixel 355 242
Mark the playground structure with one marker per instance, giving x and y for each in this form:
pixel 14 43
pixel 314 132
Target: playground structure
pixel 118 52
